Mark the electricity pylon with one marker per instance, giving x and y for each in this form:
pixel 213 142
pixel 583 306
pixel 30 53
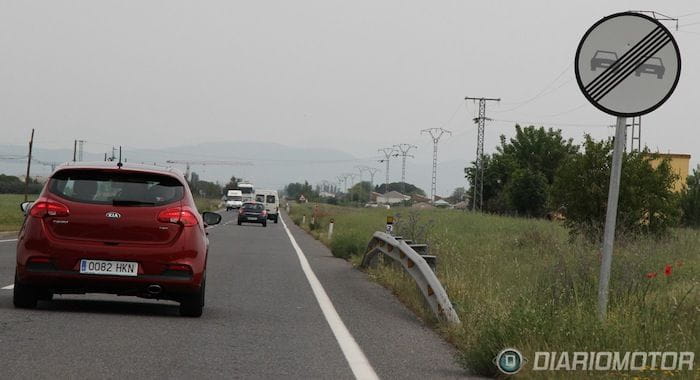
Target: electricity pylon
pixel 435 134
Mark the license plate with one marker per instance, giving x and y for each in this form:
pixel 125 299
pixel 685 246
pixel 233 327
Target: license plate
pixel 252 218
pixel 115 268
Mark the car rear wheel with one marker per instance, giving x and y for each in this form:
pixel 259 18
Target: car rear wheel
pixel 24 296
pixel 239 222
pixel 264 224
pixel 277 218
pixel 191 305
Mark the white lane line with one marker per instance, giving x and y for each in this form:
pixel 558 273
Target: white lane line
pixel 8 287
pixel 357 360
pixel 7 240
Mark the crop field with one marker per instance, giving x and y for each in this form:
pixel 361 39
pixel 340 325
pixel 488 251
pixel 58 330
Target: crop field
pixel 525 283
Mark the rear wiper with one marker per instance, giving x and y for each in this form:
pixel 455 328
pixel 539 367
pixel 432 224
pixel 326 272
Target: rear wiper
pixel 124 202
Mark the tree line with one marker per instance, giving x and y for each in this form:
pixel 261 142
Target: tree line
pixel 538 172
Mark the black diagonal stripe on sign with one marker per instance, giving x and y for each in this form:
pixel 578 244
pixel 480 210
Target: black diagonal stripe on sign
pixel 629 61
pixel 661 46
pixel 610 70
pixel 632 61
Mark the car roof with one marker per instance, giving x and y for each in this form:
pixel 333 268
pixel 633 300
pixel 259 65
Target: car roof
pixel 111 165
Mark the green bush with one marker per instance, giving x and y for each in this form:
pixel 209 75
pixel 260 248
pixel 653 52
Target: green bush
pixel 690 200
pixel 647 204
pixel 349 243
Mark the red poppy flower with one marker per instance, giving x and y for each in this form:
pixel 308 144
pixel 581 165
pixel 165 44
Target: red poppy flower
pixel 668 270
pixel 651 274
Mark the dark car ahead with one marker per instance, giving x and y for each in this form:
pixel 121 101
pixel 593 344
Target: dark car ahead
pixel 126 230
pixel 252 212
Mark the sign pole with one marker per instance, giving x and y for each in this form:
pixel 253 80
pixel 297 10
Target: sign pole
pixel 611 216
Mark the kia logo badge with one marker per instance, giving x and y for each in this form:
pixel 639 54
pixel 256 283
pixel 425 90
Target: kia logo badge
pixel 113 215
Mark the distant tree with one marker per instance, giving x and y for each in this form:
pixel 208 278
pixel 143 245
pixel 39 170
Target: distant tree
pixel 232 183
pixel 457 194
pixel 295 190
pixel 647 203
pixel 13 185
pixel 410 189
pixel 690 200
pixel 204 188
pixel 360 192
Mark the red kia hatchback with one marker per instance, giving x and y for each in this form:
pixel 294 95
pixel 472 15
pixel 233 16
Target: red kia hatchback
pixel 103 228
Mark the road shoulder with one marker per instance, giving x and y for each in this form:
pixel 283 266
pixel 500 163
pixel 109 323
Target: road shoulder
pixel 396 342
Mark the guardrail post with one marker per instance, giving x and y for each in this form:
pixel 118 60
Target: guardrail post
pixel 303 219
pixel 330 229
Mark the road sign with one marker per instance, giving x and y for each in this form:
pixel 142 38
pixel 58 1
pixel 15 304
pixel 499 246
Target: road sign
pixel 627 64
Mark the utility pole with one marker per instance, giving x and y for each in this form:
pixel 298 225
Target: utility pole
pixel 435 134
pixel 29 164
pixel 80 149
pixel 404 149
pixel 478 198
pixel 75 149
pixel 388 152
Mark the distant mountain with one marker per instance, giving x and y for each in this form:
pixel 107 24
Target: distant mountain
pixel 273 165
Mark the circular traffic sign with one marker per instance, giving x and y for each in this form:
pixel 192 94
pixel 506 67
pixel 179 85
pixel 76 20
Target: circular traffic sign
pixel 627 64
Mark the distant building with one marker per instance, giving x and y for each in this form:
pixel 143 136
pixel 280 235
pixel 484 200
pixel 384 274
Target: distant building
pixel 326 194
pixel 679 165
pixel 392 197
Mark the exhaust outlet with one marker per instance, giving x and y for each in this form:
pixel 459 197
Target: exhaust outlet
pixel 154 289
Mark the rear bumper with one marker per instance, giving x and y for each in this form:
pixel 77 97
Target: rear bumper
pixel 72 282
pixel 259 219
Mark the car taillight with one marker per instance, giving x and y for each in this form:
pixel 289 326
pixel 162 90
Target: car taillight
pixel 264 213
pixel 43 207
pixel 178 215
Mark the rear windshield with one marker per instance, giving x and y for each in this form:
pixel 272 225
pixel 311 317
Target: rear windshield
pixel 260 198
pixel 270 199
pixel 119 188
pixel 253 206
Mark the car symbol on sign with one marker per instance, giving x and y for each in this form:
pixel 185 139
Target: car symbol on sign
pixel 603 59
pixel 653 65
pixel 113 215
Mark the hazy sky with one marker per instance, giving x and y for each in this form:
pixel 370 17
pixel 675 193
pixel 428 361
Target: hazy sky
pixel 349 75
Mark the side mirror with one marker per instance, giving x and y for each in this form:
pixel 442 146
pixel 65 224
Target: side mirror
pixel 25 206
pixel 211 218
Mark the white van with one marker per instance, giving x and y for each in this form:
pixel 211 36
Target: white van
pixel 271 201
pixel 234 199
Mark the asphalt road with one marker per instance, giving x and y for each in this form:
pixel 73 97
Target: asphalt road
pixel 262 319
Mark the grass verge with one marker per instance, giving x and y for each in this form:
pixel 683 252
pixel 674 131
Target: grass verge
pixel 11 217
pixel 522 283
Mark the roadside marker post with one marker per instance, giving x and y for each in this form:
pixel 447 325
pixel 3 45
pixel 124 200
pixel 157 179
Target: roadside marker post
pixel 330 229
pixel 303 219
pixel 390 225
pixel 627 64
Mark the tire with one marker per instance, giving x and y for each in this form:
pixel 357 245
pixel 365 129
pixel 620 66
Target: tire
pixel 277 218
pixel 239 222
pixel 24 296
pixel 191 305
pixel 264 224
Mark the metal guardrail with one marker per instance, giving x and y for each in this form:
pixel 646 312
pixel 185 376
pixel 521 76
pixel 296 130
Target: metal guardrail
pixel 417 267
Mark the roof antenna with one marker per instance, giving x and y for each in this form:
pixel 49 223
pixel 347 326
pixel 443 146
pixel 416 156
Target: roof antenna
pixel 119 164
